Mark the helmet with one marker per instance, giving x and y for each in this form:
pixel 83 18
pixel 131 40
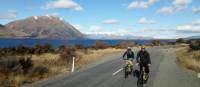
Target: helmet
pixel 129 48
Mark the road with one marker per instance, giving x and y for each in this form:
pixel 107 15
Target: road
pixel 164 73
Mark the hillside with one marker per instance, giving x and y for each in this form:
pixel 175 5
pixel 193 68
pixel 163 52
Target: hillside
pixel 9 33
pixel 51 27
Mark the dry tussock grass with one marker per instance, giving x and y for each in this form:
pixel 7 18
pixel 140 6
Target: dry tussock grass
pixel 58 66
pixel 94 55
pixel 55 66
pixel 52 62
pixel 182 45
pixel 45 66
pixel 190 60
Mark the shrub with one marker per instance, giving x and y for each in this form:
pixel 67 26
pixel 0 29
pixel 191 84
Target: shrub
pixel 16 64
pixel 21 50
pixel 155 42
pixel 38 49
pixel 61 47
pixel 9 64
pixel 100 45
pixel 125 44
pixel 38 71
pixel 181 40
pixel 194 45
pixel 26 64
pixel 79 46
pixel 67 53
pixel 48 48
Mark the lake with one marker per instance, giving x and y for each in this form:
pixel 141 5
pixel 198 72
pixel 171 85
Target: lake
pixel 57 42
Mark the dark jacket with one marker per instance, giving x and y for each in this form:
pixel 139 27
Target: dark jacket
pixel 143 57
pixel 128 54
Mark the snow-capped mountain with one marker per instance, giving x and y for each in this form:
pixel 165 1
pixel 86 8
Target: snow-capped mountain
pixel 116 36
pixel 46 26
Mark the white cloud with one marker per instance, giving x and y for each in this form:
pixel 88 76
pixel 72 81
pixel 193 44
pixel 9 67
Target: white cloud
pixel 193 27
pixel 64 4
pixel 138 5
pixel 170 9
pixel 188 28
pixel 181 2
pixel 127 32
pixel 11 14
pixel 167 10
pixel 184 27
pixel 177 5
pixel 196 9
pixel 196 22
pixel 55 14
pixel 146 21
pixel 141 4
pixel 50 15
pixel 95 28
pixel 111 21
pixel 159 33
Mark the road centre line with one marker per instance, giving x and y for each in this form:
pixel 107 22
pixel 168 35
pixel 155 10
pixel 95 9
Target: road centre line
pixel 117 71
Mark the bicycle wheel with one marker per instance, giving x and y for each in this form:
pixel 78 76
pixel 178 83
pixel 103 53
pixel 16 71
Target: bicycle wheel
pixel 140 81
pixel 125 72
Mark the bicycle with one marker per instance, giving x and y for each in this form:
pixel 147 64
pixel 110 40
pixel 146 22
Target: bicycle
pixel 128 69
pixel 143 77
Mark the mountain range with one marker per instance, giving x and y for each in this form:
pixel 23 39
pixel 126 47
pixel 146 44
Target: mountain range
pixel 116 36
pixel 193 37
pixel 51 27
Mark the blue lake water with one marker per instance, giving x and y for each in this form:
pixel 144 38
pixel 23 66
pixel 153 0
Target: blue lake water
pixel 57 42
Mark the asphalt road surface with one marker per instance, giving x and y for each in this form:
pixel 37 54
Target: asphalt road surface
pixel 164 73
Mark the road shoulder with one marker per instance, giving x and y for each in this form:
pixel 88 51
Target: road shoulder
pixel 171 75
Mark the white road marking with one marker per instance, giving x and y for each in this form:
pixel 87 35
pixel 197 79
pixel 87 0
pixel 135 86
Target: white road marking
pixel 198 75
pixel 117 71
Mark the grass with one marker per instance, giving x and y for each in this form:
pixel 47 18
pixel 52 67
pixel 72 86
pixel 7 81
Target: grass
pixel 188 59
pixel 48 65
pixel 94 55
pixel 52 62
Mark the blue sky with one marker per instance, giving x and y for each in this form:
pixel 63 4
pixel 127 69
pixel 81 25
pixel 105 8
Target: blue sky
pixel 148 18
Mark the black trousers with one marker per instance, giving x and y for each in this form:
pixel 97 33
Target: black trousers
pixel 145 66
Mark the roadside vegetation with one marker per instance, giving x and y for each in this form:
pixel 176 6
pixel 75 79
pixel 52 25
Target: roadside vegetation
pixel 188 54
pixel 19 65
pixel 23 64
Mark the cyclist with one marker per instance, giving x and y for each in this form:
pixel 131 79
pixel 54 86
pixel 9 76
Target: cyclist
pixel 129 59
pixel 129 54
pixel 143 60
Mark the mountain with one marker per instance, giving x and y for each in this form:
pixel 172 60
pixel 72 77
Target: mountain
pixel 194 37
pixel 116 36
pixel 9 33
pixel 46 26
